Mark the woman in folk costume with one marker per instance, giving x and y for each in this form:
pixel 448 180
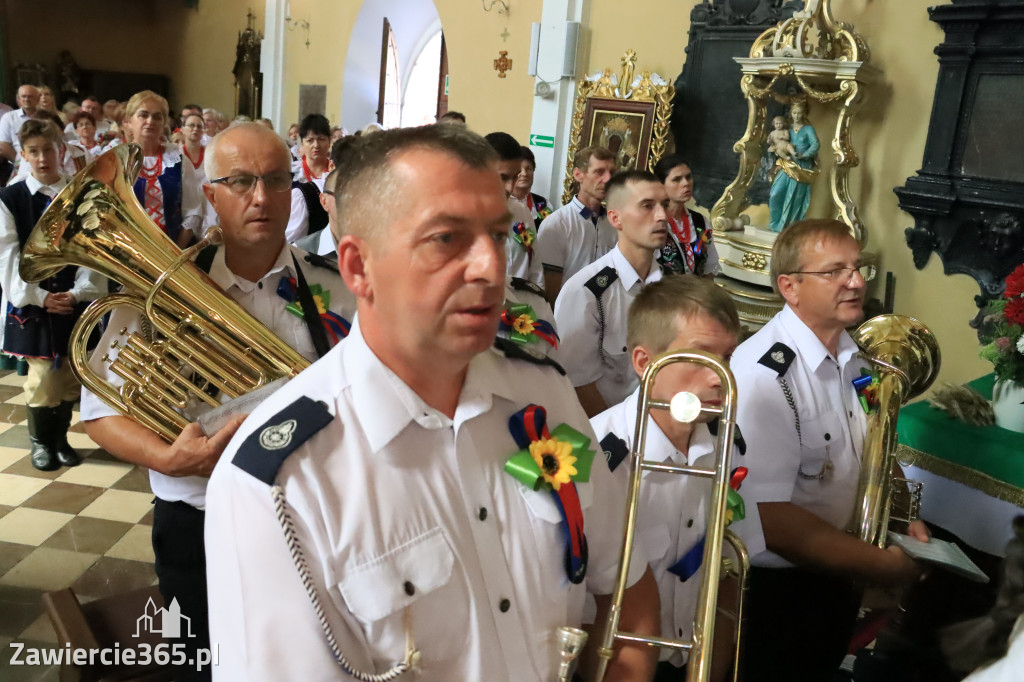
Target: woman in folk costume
pixel 168 186
pixel 690 248
pixel 314 163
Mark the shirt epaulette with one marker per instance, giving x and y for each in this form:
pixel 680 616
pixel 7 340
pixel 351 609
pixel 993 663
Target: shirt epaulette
pixel 600 282
pixel 737 437
pixel 264 451
pixel 512 350
pixel 322 262
pixel 615 450
pixel 520 284
pixel 778 358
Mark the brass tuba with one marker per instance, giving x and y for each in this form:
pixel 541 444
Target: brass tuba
pixel 686 407
pixel 202 340
pixel 906 356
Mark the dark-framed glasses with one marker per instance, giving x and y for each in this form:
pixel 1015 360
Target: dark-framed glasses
pixel 243 183
pixel 842 275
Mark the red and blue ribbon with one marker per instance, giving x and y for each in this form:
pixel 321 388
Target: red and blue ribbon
pixel 335 325
pixel 529 430
pixel 525 237
pixel 690 562
pixel 521 323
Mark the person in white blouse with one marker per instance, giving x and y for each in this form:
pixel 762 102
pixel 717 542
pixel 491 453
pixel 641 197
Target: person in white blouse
pixel 168 187
pixel 85 127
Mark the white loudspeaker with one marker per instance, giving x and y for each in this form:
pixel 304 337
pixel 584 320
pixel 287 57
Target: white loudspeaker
pixel 572 35
pixel 534 48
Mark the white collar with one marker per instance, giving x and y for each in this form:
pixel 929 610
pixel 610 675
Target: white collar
pixel 225 278
pixel 34 185
pixel 809 347
pixel 658 447
pixel 627 275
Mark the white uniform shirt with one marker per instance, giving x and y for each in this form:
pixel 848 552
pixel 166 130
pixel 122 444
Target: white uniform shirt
pixel 519 262
pixel 832 424
pixel 570 240
pixel 592 354
pixel 672 517
pixel 19 293
pixel 259 299
pixel 403 512
pixel 10 124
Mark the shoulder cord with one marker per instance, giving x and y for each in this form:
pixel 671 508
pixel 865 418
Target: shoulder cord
pixel 600 328
pixel 291 537
pixel 799 436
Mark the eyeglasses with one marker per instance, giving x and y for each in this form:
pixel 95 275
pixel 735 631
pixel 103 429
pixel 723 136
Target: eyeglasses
pixel 244 183
pixel 842 275
pixel 194 126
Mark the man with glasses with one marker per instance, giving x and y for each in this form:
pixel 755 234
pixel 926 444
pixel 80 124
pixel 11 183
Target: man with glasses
pixel 800 413
pixel 249 167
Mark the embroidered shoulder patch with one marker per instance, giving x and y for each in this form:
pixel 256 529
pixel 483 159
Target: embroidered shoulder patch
pixel 265 450
pixel 601 281
pixel 520 284
pixel 778 358
pixel 615 450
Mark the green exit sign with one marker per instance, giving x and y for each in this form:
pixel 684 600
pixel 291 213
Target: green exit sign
pixel 542 141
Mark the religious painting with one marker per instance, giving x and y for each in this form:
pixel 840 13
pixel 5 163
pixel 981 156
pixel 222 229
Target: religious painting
pixel 627 113
pixel 624 127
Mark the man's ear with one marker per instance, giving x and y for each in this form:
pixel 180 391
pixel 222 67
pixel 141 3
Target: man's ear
pixel 208 192
pixel 641 358
pixel 614 218
pixel 577 174
pixel 788 288
pixel 353 255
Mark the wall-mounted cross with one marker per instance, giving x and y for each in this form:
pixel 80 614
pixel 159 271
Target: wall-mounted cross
pixel 504 35
pixel 502 63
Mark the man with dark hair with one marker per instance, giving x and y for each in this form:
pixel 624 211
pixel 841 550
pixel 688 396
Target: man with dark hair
pixel 579 233
pixel 454 117
pixel 411 537
pixel 311 170
pixel 591 309
pixel 800 412
pixel 522 260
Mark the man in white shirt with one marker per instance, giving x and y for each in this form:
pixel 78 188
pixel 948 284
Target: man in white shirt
pixel 260 272
pixel 592 307
pixel 520 246
pixel 11 122
pixel 805 428
pixel 681 312
pixel 388 461
pixel 578 233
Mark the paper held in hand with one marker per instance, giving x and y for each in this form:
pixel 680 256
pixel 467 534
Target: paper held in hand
pixel 212 421
pixel 941 553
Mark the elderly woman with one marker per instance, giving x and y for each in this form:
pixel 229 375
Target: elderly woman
pixel 168 186
pixel 85 128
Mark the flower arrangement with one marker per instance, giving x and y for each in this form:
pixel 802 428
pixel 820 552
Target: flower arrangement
pixel 1002 330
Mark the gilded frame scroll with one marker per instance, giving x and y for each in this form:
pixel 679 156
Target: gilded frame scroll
pixel 634 119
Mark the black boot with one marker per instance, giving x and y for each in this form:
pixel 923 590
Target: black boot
pixel 41 427
pixel 66 454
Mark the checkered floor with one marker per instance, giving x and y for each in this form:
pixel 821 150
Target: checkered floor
pixel 87 528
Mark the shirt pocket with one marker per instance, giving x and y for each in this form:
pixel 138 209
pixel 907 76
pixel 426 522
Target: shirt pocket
pixel 822 438
pixel 614 348
pixel 655 541
pixel 408 574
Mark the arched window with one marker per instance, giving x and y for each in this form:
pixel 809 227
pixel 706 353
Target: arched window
pixel 389 110
pixel 421 91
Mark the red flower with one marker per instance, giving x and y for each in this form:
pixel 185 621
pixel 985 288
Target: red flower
pixel 1015 283
pixel 1014 311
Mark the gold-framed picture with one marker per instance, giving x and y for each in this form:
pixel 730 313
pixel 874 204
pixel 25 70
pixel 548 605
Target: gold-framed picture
pixel 631 121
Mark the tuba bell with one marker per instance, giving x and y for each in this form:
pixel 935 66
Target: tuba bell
pixel 201 343
pixel 686 407
pixel 906 357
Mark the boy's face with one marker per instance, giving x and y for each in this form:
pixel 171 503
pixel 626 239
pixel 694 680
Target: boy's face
pixel 41 155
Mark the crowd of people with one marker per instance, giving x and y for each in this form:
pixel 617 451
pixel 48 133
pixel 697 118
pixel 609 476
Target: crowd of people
pixel 445 486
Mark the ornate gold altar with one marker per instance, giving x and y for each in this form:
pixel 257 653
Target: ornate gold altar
pixel 810 57
pixel 627 114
